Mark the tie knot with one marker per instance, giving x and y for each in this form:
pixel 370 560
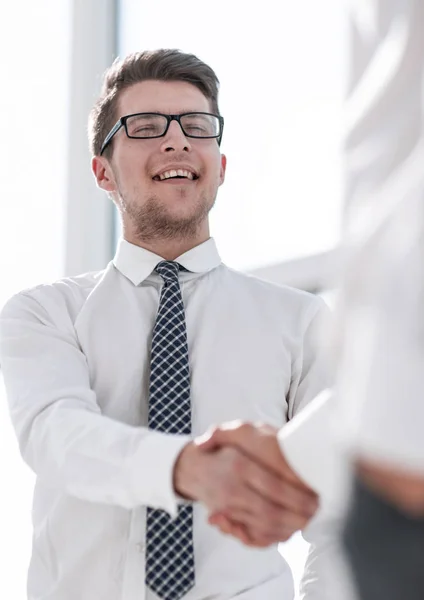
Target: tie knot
pixel 168 270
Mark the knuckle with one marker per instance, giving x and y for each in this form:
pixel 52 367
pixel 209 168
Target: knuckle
pixel 276 517
pixel 247 427
pixel 216 429
pixel 270 485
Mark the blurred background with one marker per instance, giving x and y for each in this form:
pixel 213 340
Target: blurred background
pixel 282 70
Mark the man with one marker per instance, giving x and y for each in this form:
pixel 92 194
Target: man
pixel 111 375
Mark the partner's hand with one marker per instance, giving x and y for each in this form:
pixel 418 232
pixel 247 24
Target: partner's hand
pixel 263 506
pixel 399 487
pixel 260 443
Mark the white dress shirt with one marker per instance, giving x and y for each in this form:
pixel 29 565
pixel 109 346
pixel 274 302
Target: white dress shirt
pixel 75 356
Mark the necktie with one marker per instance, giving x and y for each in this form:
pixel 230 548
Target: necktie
pixel 169 542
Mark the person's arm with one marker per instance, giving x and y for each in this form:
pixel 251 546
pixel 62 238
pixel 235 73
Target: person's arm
pixel 62 434
pixel 303 453
pixel 68 442
pixel 310 374
pixel 313 451
pixel 311 448
pixel 307 379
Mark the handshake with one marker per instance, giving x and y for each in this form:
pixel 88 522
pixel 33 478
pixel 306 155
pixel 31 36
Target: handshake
pixel 240 474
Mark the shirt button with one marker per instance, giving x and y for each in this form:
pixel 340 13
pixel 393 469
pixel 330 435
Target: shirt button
pixel 140 547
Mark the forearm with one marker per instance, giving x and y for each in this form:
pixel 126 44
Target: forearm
pixel 63 435
pixel 326 575
pixel 402 488
pixel 311 448
pixel 98 459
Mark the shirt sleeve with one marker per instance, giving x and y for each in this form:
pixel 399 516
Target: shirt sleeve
pixel 310 374
pixel 62 434
pixel 326 575
pixel 312 450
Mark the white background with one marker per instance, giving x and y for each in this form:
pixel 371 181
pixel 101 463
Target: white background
pixel 34 63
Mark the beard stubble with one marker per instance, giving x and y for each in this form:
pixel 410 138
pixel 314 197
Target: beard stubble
pixel 153 220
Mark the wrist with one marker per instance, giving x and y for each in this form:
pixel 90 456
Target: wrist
pixel 185 471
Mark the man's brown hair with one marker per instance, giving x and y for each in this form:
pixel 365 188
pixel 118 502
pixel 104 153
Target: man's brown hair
pixel 160 65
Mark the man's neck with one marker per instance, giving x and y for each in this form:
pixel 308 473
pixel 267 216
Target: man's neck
pixel 168 249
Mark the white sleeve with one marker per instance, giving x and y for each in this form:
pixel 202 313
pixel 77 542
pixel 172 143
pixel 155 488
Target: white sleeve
pixel 310 374
pixel 311 447
pixel 312 450
pixel 62 434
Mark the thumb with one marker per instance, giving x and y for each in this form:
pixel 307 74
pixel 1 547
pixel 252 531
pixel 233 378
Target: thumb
pixel 233 433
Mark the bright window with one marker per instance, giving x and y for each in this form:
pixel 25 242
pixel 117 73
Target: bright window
pixel 34 65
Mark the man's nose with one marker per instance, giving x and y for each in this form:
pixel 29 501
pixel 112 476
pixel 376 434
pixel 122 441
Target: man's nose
pixel 175 140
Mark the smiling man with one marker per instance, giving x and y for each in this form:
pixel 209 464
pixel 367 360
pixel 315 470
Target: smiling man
pixel 111 376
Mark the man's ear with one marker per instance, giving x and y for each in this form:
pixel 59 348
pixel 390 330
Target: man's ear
pixel 103 173
pixel 223 169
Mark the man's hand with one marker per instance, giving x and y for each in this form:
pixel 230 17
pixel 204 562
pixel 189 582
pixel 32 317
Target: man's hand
pixel 240 475
pixel 260 444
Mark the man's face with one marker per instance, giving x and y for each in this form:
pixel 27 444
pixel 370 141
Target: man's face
pixel 153 208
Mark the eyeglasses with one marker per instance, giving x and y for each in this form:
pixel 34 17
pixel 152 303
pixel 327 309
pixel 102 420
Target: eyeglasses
pixel 199 125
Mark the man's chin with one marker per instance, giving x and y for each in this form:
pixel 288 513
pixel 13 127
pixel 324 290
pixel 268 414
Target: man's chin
pixel 185 211
pixel 188 221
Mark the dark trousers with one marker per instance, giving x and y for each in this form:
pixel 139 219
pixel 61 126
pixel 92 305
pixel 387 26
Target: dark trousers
pixel 384 547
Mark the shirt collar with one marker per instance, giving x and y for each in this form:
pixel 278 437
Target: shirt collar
pixel 137 263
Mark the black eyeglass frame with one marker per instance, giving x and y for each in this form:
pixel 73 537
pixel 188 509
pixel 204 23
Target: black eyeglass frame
pixel 122 122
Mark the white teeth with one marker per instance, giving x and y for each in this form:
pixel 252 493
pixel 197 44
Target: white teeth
pixel 176 173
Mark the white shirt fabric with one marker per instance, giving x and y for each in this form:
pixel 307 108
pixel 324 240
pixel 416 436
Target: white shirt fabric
pixel 312 449
pixel 75 359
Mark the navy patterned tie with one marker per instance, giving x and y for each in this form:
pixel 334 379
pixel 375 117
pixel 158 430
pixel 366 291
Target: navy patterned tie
pixel 169 542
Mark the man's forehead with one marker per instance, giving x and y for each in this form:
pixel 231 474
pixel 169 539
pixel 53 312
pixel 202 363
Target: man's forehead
pixel 170 97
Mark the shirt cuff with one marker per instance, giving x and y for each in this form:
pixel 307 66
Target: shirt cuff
pixel 154 469
pixel 309 446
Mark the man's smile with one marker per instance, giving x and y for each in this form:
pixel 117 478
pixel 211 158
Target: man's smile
pixel 177 174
